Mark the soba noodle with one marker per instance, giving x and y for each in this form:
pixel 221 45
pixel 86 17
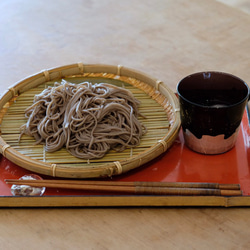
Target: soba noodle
pixel 88 119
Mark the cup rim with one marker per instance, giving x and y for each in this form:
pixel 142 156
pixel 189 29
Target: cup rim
pixel 213 72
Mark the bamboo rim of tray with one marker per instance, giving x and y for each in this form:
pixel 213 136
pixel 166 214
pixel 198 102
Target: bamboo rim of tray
pixel 154 89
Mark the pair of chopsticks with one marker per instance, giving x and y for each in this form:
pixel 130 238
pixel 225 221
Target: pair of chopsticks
pixel 142 188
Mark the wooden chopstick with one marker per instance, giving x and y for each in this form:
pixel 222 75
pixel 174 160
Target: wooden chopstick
pixel 155 188
pixel 137 183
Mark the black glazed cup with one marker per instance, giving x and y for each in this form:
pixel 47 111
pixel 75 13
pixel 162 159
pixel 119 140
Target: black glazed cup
pixel 211 108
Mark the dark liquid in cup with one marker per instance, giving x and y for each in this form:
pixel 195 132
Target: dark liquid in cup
pixel 214 98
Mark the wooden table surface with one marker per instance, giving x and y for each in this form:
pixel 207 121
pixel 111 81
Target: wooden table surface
pixel 166 39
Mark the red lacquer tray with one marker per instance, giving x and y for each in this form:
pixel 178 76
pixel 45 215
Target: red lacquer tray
pixel 178 164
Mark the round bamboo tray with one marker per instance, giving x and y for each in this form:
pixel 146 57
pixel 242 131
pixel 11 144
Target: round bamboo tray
pixel 159 107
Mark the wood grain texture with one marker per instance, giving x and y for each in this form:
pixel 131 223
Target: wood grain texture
pixel 125 228
pixel 242 5
pixel 167 39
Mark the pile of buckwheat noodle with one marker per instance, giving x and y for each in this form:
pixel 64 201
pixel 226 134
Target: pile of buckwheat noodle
pixel 88 119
